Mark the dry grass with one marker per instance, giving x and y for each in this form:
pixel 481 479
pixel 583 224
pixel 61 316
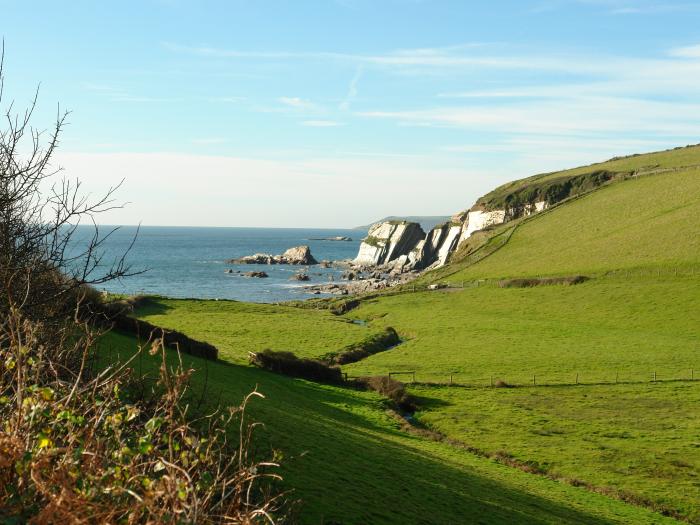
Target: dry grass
pixel 77 446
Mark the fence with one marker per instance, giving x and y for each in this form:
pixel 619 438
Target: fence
pixel 545 378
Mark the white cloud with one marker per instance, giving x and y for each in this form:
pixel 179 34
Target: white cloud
pixel 686 52
pixel 590 115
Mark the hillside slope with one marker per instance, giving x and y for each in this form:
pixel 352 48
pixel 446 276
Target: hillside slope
pixel 650 220
pixel 349 462
pixel 602 345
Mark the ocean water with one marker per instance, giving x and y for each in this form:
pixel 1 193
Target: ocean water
pixel 191 262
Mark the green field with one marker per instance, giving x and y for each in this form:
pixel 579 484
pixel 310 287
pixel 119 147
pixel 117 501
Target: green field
pixel 237 328
pixel 642 439
pixel 626 324
pixel 350 462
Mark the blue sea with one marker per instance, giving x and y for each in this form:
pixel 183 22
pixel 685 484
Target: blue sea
pixel 191 262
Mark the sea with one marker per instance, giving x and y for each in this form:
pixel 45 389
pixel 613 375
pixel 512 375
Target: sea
pixel 191 262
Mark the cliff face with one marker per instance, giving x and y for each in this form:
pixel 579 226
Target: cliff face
pixel 406 247
pixel 387 241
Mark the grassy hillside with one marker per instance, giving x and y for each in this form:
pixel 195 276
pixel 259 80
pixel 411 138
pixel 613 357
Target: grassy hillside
pixel 350 462
pixel 641 222
pixel 237 328
pixel 539 187
pixel 638 315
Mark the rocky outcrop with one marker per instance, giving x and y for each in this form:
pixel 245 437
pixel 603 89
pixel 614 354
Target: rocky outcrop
pixel 387 241
pixel 258 275
pixel 300 255
pixel 399 247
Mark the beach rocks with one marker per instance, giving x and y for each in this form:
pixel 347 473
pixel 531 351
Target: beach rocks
pixel 259 275
pixel 300 277
pixel 298 255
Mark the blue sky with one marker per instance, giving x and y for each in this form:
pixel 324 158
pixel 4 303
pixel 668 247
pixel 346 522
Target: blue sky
pixel 335 113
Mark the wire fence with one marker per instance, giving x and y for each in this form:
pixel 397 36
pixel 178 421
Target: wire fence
pixel 536 379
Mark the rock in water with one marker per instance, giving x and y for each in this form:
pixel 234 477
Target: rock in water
pixel 297 255
pixel 259 275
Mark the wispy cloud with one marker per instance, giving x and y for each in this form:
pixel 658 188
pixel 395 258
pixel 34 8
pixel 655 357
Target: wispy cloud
pixel 297 103
pixel 352 90
pixel 587 116
pixel 686 52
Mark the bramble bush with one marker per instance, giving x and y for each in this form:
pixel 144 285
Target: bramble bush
pixel 77 446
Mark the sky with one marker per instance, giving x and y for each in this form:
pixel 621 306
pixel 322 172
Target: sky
pixel 335 113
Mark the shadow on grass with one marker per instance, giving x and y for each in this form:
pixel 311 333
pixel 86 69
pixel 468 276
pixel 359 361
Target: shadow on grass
pixel 151 305
pixel 350 463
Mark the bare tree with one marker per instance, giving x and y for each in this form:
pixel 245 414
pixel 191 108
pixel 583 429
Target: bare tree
pixel 42 264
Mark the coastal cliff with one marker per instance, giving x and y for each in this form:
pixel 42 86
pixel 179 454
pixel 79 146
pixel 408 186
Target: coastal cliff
pixel 387 241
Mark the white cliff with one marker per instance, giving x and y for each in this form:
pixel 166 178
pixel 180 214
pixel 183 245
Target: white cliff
pixel 403 246
pixel 388 241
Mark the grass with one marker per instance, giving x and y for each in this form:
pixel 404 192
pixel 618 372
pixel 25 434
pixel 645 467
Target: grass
pixel 642 439
pixel 670 159
pixel 350 462
pixel 641 222
pixel 629 324
pixel 638 315
pixel 238 328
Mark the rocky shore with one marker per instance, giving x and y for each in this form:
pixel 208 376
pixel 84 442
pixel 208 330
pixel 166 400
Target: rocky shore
pixel 358 278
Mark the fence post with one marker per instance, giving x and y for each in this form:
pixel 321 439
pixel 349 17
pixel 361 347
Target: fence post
pixel 654 377
pixel 617 374
pixel 534 380
pixel 450 379
pixel 414 377
pixel 577 378
pixel 692 373
pixel 492 380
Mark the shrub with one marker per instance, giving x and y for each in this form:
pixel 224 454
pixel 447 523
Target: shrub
pixel 77 447
pixel 171 338
pixel 391 388
pixel 544 281
pixel 372 345
pixel 289 364
pixel 499 383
